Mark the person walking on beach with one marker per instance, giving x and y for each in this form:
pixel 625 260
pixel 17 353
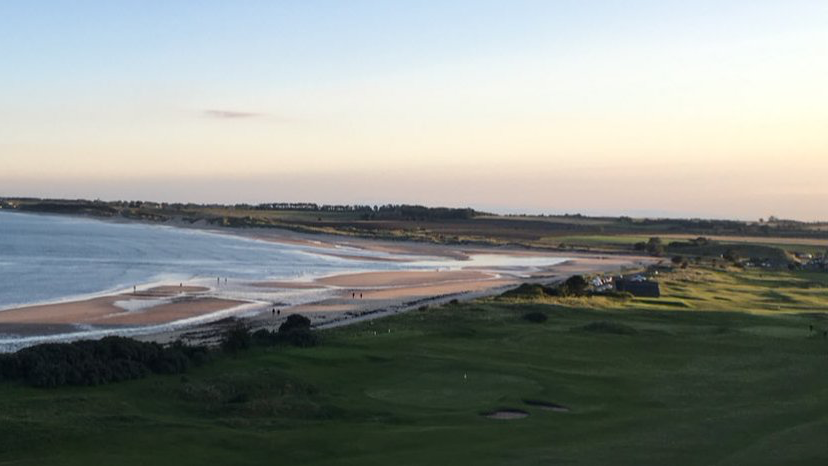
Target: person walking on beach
pixel 273 312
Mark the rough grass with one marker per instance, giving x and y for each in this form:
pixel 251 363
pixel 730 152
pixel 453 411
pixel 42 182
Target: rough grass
pixel 719 382
pixel 747 246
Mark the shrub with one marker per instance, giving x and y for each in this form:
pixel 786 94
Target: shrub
pixel 263 337
pixel 529 291
pixel 94 362
pixel 655 246
pixel 296 331
pixel 303 338
pixel 730 255
pixel 575 285
pixel 295 322
pixel 236 339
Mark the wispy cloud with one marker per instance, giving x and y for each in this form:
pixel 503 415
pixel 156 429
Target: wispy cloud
pixel 230 114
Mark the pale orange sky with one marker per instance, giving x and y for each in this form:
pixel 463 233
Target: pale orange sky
pixel 655 108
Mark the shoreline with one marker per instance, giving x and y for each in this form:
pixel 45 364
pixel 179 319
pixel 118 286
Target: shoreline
pixel 382 294
pixel 196 313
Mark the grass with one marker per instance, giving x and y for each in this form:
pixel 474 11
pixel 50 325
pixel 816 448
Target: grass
pixel 594 240
pixel 727 382
pixel 747 246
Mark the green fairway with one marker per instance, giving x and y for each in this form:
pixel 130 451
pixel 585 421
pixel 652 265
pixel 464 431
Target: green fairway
pixel 731 381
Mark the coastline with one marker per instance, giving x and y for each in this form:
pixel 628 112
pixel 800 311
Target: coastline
pixel 197 314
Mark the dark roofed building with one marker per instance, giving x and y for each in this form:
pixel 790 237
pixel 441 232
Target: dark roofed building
pixel 641 288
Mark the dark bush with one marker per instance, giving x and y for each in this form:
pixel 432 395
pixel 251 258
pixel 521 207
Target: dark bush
pixel 655 247
pixel 295 322
pixel 575 285
pixel 530 291
pixel 730 255
pixel 264 337
pixel 235 339
pixel 94 362
pixel 296 331
pixel 536 317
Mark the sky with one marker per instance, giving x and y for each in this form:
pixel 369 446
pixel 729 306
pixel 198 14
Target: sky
pixel 647 108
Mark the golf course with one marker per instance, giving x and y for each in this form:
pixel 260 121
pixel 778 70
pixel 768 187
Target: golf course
pixel 728 367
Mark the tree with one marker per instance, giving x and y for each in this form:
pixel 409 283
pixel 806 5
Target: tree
pixel 236 339
pixel 655 246
pixel 575 285
pixel 295 322
pixel 296 330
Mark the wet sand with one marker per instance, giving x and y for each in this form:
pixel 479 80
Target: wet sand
pixel 104 311
pixel 382 293
pixel 288 285
pixel 404 278
pixel 370 295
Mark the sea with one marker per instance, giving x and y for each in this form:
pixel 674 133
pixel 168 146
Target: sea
pixel 51 258
pixel 54 258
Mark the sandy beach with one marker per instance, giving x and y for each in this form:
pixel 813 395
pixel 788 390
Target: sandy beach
pixel 346 297
pixel 404 278
pixel 140 308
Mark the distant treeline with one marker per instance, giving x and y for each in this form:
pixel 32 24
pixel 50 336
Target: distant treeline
pixel 707 225
pixel 96 208
pixel 509 227
pixel 367 212
pixel 383 212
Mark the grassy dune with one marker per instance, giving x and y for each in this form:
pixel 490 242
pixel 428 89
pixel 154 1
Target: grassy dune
pixel 712 374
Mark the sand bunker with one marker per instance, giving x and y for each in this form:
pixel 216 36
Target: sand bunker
pixel 546 406
pixel 507 414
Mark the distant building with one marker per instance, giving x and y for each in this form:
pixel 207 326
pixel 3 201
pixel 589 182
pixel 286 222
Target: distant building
pixel 602 284
pixel 638 287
